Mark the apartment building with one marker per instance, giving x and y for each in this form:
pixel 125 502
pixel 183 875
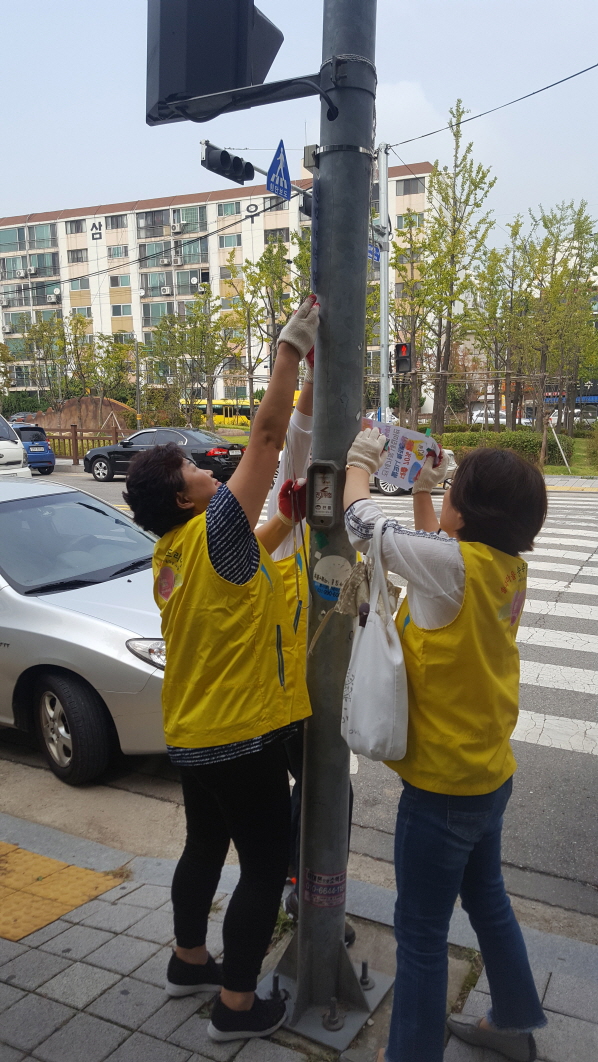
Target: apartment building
pixel 123 266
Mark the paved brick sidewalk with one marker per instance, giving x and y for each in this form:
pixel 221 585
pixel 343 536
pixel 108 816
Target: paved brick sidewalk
pixel 89 984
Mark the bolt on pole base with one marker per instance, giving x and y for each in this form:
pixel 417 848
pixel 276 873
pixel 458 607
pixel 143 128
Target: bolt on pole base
pixel 336 1023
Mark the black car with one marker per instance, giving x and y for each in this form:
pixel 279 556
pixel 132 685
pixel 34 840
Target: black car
pixel 204 448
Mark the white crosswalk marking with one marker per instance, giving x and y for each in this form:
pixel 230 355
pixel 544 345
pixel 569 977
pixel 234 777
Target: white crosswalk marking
pixel 565 541
pixel 557 732
pixel 558 608
pixel 563 588
pixel 554 566
pixel 562 531
pixel 557 677
pixel 587 643
pixel 565 554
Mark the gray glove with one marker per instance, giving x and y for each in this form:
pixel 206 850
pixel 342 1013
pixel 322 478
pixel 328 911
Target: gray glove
pixel 367 451
pixel 300 331
pixel 429 477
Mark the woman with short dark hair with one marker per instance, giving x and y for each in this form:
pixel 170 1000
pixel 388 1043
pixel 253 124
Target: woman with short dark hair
pixel 466 588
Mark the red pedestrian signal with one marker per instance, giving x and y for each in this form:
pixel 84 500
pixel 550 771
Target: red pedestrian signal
pixel 402 357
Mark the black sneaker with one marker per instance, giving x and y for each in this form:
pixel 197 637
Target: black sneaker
pixel 185 978
pixel 265 1017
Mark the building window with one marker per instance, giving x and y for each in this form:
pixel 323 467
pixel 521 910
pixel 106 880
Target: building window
pixel 120 251
pixel 231 240
pixel 47 315
pixel 81 311
pixel 152 222
pixel 72 227
pixel 408 259
pixel 226 209
pixel 123 280
pixel 124 337
pixel 122 311
pixel 274 235
pixel 41 236
pixel 9 266
pixel 12 240
pixel 152 283
pixel 46 264
pixel 411 186
pixel 417 221
pixel 275 202
pixel 116 221
pixel 193 218
pixel 404 290
pixel 227 304
pixel 184 282
pixel 153 311
pixel 82 284
pixel 192 251
pixel 150 253
pixel 79 255
pixel 19 322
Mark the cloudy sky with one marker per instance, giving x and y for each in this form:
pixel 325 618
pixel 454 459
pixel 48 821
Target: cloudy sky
pixel 73 77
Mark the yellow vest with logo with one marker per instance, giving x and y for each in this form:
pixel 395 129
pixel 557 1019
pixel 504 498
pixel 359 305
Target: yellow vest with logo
pixel 293 571
pixel 232 666
pixel 463 681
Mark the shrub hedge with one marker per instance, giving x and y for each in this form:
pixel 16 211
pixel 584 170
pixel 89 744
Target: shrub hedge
pixel 527 443
pixel 592 448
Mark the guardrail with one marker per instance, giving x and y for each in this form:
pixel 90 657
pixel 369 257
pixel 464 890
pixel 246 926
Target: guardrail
pixel 74 442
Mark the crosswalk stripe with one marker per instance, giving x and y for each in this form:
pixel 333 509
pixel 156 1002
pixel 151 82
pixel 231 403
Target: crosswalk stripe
pixel 561 608
pixel 562 587
pixel 563 553
pixel 579 643
pixel 557 732
pixel 563 531
pixel 556 677
pixel 554 566
pixel 567 541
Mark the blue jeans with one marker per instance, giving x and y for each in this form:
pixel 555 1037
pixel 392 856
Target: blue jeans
pixel 446 846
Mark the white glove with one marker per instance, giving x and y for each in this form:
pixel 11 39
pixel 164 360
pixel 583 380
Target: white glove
pixel 300 331
pixel 429 477
pixel 367 450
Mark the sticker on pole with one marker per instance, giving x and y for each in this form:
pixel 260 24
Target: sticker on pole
pixel 278 181
pixel 330 574
pixel 324 890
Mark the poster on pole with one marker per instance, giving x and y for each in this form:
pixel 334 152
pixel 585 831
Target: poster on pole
pixel 407 451
pixel 278 181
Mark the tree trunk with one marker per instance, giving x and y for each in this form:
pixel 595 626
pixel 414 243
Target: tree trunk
pixel 210 402
pixel 508 403
pixel 250 369
pixel 496 389
pixel 541 388
pixel 544 447
pixel 414 400
pixel 439 388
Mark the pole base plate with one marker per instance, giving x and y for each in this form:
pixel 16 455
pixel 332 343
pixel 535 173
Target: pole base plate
pixel 310 1023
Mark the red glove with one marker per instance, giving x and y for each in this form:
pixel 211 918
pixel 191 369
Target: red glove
pixel 292 502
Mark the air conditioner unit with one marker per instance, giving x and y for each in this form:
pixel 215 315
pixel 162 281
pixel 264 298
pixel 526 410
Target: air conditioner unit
pixel 32 271
pixel 177 229
pixel 4 302
pixel 165 291
pixel 20 273
pixel 178 260
pixel 52 298
pixel 165 261
pixel 170 379
pixel 6 328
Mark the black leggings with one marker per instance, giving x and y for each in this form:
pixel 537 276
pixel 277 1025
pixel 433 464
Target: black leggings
pixel 247 801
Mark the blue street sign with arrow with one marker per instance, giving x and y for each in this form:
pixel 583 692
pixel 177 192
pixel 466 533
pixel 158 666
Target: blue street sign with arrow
pixel 278 181
pixel 373 252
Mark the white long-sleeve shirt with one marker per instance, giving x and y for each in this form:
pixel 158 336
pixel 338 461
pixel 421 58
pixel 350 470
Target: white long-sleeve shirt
pixel 293 465
pixel 431 564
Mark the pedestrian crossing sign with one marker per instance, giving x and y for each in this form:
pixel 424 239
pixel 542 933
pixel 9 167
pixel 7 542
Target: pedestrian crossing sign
pixel 279 181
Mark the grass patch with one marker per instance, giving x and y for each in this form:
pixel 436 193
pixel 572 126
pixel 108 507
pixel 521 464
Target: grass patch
pixel 477 965
pixel 284 925
pixel 580 462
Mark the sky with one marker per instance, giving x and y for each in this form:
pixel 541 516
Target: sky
pixel 73 129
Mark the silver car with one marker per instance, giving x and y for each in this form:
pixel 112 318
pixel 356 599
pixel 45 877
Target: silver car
pixel 81 654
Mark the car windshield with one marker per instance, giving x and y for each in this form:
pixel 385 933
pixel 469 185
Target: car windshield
pixel 6 432
pixel 32 434
pixel 205 438
pixel 67 539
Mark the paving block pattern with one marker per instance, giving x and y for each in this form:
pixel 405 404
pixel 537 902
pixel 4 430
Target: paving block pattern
pixel 129 1003
pixel 82 1038
pixel 10 1054
pixel 266 1051
pixel 194 1036
pixel 140 1048
pixel 156 926
pixel 122 954
pixel 77 942
pixel 79 985
pixel 30 970
pixel 172 1015
pixel 32 1020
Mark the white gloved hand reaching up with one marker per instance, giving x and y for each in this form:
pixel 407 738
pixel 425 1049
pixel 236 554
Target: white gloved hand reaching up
pixel 367 451
pixel 300 331
pixel 429 477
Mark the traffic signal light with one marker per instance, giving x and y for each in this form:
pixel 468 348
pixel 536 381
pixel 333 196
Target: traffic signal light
pixel 202 47
pixel 226 165
pixel 306 204
pixel 403 357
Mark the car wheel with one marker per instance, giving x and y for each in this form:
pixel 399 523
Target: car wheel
pixel 45 471
pixel 72 728
pixel 101 469
pixel 388 489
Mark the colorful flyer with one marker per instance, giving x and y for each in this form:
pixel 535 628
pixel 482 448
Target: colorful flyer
pixel 407 451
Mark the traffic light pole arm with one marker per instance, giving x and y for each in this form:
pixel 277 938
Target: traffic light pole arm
pixel 205 108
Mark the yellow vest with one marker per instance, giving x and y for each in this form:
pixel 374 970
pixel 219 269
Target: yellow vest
pixel 293 570
pixel 232 668
pixel 464 681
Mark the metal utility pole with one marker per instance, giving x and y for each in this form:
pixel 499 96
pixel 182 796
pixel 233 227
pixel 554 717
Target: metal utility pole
pixel 317 968
pixel 384 278
pixel 137 387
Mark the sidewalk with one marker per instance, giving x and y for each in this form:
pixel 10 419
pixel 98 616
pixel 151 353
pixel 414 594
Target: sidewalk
pixel 85 936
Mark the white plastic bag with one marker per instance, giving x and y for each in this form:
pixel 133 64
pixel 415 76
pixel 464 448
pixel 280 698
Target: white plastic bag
pixel 375 705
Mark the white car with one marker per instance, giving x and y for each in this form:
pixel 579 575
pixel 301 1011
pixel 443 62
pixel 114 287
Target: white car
pixel 14 463
pixel 81 651
pixel 479 417
pixel 390 491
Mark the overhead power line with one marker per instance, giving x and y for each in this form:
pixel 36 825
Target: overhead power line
pixel 500 107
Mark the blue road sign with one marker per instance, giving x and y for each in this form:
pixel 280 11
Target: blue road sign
pixel 373 252
pixel 278 181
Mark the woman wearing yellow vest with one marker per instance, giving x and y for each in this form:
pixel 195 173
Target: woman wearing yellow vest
pixel 234 687
pixel 465 591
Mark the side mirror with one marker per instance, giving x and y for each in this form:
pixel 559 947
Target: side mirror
pixel 126 442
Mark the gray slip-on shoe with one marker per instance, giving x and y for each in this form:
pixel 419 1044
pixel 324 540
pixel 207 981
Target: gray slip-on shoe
pixel 519 1046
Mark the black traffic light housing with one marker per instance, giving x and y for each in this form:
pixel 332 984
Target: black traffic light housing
pixel 403 357
pixel 223 163
pixel 202 47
